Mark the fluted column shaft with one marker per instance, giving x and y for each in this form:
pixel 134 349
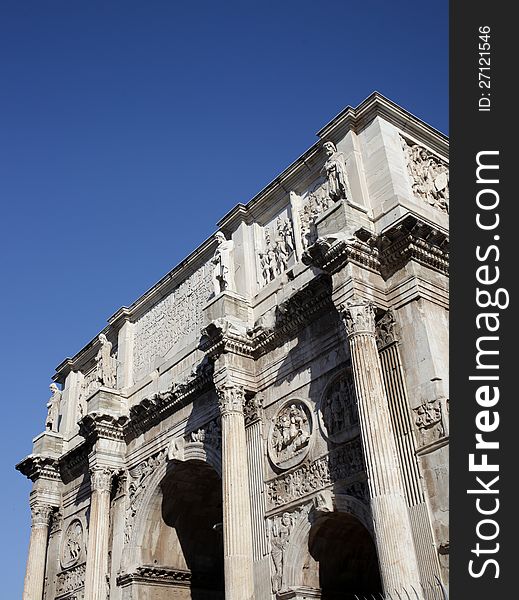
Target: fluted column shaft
pixel 98 532
pixel 396 553
pixel 35 571
pixel 237 528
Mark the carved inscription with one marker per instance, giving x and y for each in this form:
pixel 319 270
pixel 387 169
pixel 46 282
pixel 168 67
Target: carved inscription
pixel 342 463
pixel 171 320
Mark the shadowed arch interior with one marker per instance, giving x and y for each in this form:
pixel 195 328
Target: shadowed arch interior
pixel 346 555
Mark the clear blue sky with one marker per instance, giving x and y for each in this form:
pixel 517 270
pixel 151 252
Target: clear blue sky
pixel 128 128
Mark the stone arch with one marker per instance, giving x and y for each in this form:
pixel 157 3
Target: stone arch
pixel 195 452
pixel 298 562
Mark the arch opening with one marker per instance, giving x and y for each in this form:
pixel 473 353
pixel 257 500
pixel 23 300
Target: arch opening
pixel 346 557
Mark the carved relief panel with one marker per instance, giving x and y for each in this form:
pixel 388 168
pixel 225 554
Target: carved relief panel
pixel 338 417
pixel 431 421
pixel 290 434
pixel 71 580
pixel 72 545
pixel 429 175
pixel 277 250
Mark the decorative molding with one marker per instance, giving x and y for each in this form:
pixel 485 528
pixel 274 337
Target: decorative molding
pixel 155 575
pixel 97 425
pixel 150 411
pixel 410 239
pixel 343 463
pixel 296 312
pixel 38 466
pixel 41 514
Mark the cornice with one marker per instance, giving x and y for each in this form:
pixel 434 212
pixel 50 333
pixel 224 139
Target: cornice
pixel 150 411
pixel 102 425
pixel 293 314
pixel 39 466
pixel 409 239
pixel 155 575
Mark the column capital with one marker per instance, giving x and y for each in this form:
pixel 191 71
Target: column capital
pixel 101 479
pixel 41 513
pixel 231 398
pixel 358 316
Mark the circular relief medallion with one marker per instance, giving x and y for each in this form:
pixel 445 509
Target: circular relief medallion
pixel 72 545
pixel 290 434
pixel 338 416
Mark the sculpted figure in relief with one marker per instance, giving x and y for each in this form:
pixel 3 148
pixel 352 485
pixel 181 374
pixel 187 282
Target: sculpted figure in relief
pixel 291 432
pixel 105 363
pixel 222 263
pixel 279 538
pixel 429 175
pixel 335 172
pixel 338 408
pixel 51 423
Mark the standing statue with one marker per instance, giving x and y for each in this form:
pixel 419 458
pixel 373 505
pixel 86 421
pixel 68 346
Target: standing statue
pixel 335 172
pixel 280 535
pixel 51 422
pixel 222 263
pixel 105 363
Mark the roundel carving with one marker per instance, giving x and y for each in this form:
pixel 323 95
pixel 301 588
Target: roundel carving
pixel 72 545
pixel 290 434
pixel 338 416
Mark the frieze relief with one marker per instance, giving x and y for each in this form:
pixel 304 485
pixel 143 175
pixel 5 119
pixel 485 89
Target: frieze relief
pixel 290 434
pixel 338 416
pixel 431 420
pixel 340 464
pixel 71 580
pixel 278 250
pixel 429 175
pixel 174 317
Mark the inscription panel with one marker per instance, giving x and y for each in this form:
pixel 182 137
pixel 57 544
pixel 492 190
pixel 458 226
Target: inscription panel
pixel 171 321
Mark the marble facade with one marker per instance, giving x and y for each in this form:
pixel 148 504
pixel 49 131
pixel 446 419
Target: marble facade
pixel 270 420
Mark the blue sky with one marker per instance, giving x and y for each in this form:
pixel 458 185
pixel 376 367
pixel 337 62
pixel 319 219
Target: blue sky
pixel 128 128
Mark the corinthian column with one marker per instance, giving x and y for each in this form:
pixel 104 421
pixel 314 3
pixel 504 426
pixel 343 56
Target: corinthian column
pixel 98 531
pixel 237 528
pixel 35 571
pixel 396 553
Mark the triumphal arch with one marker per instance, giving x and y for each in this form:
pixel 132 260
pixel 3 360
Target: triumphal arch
pixel 269 421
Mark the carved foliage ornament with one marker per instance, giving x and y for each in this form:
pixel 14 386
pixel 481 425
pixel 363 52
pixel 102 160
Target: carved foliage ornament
pixel 290 434
pixel 386 330
pixel 429 175
pixel 359 317
pixel 72 547
pixel 101 479
pixel 230 399
pixel 338 410
pixel 41 514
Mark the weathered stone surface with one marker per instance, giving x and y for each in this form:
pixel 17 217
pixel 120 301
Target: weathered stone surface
pixel 244 429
